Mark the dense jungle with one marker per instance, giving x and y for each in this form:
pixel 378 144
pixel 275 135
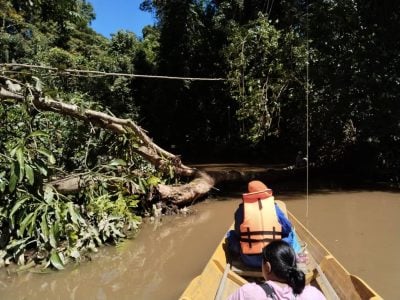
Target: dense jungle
pixel 97 133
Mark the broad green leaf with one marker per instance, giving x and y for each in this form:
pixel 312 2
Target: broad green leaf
pixel 43 151
pixel 13 150
pixel 17 206
pixel 142 185
pixel 116 231
pixel 41 169
pixel 29 174
pixel 3 184
pixel 72 213
pixel 13 182
pixel 45 228
pixel 52 237
pixel 52 159
pixel 56 260
pixel 17 243
pixel 48 154
pixel 21 162
pixel 57 214
pixel 33 221
pixel 25 222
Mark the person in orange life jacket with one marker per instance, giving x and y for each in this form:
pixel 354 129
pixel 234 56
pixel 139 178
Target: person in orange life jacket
pixel 245 244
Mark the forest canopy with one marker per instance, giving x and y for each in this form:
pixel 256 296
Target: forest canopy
pixel 88 146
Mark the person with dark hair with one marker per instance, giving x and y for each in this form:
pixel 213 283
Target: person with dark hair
pixel 283 280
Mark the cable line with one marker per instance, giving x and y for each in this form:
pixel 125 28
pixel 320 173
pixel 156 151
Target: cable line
pixel 100 73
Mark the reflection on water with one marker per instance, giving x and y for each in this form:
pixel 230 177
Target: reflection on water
pixel 359 228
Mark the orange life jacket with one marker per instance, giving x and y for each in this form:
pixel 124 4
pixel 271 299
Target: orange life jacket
pixel 260 222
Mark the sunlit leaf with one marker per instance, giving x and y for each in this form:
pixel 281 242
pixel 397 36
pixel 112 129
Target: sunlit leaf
pixel 3 185
pixel 116 231
pixel 17 243
pixel 142 185
pixel 33 221
pixel 41 169
pixel 21 162
pixel 52 159
pixel 48 194
pixel 29 174
pixel 74 253
pixel 48 154
pixel 17 206
pixel 25 222
pixel 52 237
pixel 13 151
pixel 45 228
pixel 75 217
pixel 56 260
pixel 117 162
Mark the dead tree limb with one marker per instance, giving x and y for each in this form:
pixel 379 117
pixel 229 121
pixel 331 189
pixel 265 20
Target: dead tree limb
pixel 200 183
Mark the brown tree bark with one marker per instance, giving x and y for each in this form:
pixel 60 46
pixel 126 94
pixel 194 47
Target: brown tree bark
pixel 200 183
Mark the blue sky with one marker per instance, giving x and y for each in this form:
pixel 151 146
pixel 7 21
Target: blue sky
pixel 113 15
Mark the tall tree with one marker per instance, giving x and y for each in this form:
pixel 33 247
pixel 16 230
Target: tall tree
pixel 354 82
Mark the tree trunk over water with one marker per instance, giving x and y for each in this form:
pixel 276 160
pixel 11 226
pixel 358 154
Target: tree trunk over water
pixel 200 183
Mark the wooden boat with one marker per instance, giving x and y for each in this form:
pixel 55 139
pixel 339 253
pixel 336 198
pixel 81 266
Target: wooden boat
pixel 223 275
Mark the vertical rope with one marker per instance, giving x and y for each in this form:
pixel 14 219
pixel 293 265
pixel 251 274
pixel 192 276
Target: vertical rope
pixel 307 113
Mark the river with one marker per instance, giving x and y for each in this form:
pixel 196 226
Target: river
pixel 360 227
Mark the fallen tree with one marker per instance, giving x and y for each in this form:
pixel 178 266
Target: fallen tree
pixel 200 182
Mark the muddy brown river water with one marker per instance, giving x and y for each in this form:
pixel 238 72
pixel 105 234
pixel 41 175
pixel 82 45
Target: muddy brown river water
pixel 361 228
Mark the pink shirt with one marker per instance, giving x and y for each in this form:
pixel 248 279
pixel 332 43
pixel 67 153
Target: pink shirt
pixel 252 291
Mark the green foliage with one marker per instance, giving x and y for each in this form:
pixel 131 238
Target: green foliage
pixel 59 228
pixel 123 42
pixel 59 58
pixel 150 44
pixel 260 73
pixel 354 87
pixel 40 147
pixel 34 218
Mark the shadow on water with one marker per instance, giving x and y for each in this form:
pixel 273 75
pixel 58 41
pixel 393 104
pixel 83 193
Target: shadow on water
pixel 293 181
